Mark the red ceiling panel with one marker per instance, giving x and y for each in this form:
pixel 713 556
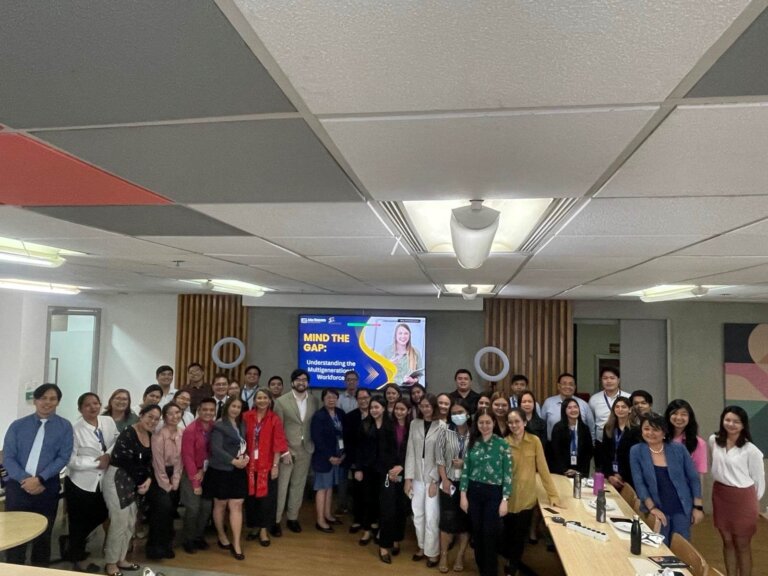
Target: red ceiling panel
pixel 33 174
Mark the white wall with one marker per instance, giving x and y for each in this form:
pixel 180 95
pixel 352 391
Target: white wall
pixel 138 333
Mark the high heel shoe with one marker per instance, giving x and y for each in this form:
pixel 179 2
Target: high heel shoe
pixel 326 529
pixel 236 555
pixel 364 541
pixel 224 546
pixel 384 556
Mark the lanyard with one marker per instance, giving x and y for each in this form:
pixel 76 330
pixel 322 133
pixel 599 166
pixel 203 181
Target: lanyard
pixel 574 446
pixel 100 436
pixel 247 397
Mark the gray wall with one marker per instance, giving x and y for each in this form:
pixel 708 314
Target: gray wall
pixel 695 345
pixel 593 338
pixel 453 338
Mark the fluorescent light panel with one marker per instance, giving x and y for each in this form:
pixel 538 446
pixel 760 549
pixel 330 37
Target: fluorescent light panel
pixel 668 292
pixel 432 221
pixel 28 253
pixel 230 286
pixel 481 288
pixel 31 286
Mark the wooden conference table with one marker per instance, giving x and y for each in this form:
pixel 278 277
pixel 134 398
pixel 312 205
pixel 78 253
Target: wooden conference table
pixel 581 554
pixel 18 528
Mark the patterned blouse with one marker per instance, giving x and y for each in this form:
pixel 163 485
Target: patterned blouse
pixel 133 461
pixel 488 462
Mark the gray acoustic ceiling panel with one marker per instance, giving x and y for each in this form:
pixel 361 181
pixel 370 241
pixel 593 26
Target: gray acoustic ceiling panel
pixel 740 71
pixel 88 62
pixel 216 162
pixel 144 220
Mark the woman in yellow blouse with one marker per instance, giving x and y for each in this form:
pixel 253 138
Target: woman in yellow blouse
pixel 527 460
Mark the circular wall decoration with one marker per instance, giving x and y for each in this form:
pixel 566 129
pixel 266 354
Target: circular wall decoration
pixel 504 361
pixel 217 348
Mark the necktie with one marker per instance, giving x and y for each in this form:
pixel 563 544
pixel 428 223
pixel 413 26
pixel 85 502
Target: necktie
pixel 37 447
pixel 218 410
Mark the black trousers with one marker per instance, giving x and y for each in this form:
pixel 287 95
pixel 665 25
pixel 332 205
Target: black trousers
pixel 484 501
pixel 394 509
pixel 162 505
pixel 366 498
pixel 516 528
pixel 47 504
pixel 261 512
pixel 86 511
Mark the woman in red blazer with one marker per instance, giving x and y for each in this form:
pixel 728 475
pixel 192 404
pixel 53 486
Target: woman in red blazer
pixel 266 443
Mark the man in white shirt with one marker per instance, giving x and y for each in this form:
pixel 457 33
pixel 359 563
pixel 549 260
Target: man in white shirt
pixel 295 410
pixel 220 387
pixel 551 409
pixel 348 399
pixel 601 404
pixel 164 377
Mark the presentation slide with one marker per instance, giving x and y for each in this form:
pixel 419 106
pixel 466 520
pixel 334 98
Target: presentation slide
pixel 381 349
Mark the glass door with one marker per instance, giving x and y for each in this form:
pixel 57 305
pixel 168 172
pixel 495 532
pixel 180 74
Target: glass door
pixel 73 354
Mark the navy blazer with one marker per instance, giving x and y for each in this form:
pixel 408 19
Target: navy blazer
pixel 323 433
pixel 681 469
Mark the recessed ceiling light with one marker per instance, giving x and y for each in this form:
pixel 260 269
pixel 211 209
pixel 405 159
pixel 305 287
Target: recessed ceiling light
pixel 32 286
pixel 231 286
pixel 667 292
pixel 457 288
pixel 518 217
pixel 21 252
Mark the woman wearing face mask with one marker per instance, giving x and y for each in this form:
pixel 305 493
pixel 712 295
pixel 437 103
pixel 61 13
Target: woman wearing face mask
pixel 454 523
pixel 422 478
pixel 527 461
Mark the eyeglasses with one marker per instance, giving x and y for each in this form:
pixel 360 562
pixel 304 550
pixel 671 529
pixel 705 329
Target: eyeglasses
pixel 302 379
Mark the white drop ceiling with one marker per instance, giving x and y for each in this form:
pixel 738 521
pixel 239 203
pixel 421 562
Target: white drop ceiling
pixel 285 135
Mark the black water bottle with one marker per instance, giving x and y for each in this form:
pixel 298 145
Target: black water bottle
pixel 636 536
pixel 600 506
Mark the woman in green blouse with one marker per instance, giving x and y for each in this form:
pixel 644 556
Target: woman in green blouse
pixel 486 484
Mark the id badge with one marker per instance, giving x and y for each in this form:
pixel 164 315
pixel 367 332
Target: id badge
pixel 615 468
pixel 256 454
pixel 205 465
pixel 573 459
pixel 341 443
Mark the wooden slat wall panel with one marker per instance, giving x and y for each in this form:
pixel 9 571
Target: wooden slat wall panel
pixel 203 320
pixel 536 335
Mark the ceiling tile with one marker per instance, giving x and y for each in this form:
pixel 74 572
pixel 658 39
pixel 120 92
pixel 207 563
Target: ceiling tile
pixel 735 244
pixel 115 62
pixel 27 225
pixel 497 269
pixel 740 71
pixel 394 56
pixel 218 162
pixel 666 216
pixel 616 246
pixel 521 155
pixel 144 220
pixel 308 219
pixel 755 275
pixel 699 151
pixel 33 174
pixel 220 245
pixel 676 269
pixel 340 246
pixel 585 263
pixel 396 268
pixel 117 247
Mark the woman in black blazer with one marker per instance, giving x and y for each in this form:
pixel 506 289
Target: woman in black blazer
pixel 571 444
pixel 225 480
pixel 327 432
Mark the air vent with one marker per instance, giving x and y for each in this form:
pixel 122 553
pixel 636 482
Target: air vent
pixel 551 218
pixel 400 219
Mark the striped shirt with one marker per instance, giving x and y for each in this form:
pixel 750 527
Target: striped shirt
pixel 451 445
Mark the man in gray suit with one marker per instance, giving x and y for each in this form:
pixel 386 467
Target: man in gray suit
pixel 295 410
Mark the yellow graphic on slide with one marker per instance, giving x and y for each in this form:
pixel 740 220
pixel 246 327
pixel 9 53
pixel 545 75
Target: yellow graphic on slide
pixel 386 363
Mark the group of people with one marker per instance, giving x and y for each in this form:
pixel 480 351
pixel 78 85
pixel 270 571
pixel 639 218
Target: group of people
pixel 463 464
